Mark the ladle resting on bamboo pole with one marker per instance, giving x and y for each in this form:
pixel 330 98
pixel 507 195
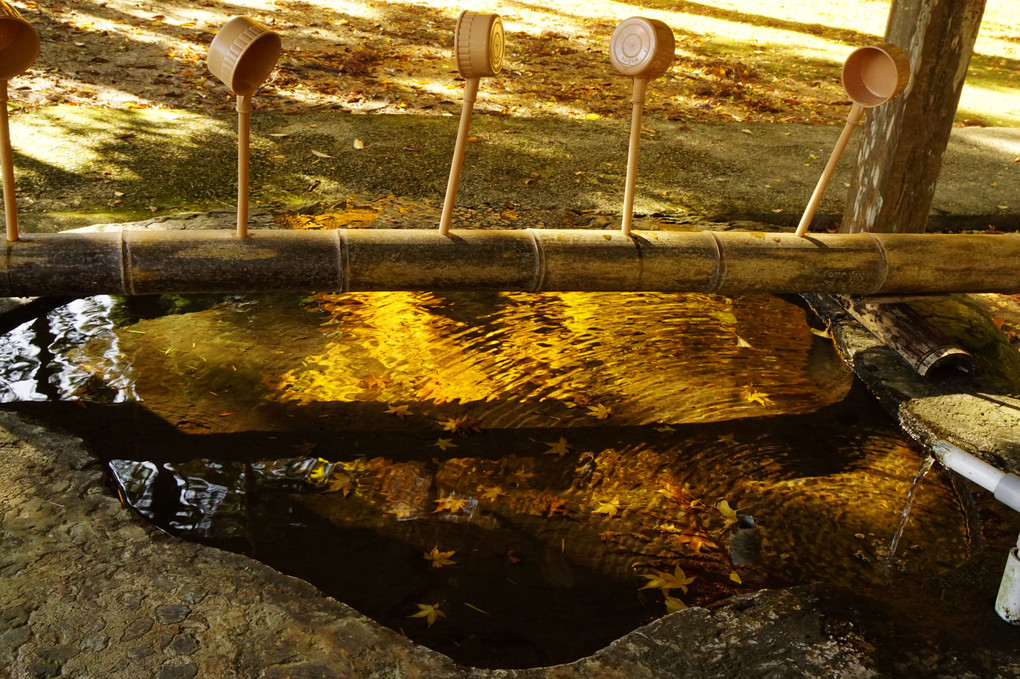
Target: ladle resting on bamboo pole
pixel 871 76
pixel 19 47
pixel 642 48
pixel 478 48
pixel 242 55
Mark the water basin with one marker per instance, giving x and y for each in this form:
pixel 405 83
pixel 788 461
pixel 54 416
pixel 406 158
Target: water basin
pixel 514 480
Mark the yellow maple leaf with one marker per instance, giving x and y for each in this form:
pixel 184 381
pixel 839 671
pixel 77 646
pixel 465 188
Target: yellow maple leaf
pixel 440 559
pixel 729 513
pixel 752 395
pixel 673 604
pixel 460 425
pixel 401 411
pixel 492 493
pixel 520 476
pixel 609 508
pixel 667 581
pixel 560 448
pixel 338 483
pixel 402 511
pixel 443 444
pixel 695 541
pixel 451 504
pixel 430 612
pixel 600 411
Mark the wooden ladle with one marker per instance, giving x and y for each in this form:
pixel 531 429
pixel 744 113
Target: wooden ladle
pixel 872 75
pixel 19 47
pixel 478 48
pixel 641 48
pixel 242 55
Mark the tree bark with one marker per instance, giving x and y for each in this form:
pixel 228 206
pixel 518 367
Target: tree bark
pixel 901 154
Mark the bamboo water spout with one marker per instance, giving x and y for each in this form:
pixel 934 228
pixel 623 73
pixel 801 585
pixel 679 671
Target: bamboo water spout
pixel 19 47
pixel 242 55
pixel 871 76
pixel 531 260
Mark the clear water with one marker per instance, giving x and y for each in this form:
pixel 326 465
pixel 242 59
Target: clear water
pixel 922 471
pixel 564 447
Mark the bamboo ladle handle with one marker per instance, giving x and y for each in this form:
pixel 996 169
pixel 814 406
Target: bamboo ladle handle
pixel 7 168
pixel 243 55
pixel 633 147
pixel 641 48
pixel 478 47
pixel 856 113
pixel 19 47
pixel 872 75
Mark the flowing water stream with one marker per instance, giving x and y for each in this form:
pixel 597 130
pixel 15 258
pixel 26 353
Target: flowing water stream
pixel 512 479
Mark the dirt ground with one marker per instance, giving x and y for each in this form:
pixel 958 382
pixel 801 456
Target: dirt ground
pixel 736 60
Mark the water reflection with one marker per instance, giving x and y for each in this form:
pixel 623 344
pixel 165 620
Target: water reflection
pixel 568 449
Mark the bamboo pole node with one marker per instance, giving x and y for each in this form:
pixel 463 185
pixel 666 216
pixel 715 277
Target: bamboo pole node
pixel 243 55
pixel 478 48
pixel 643 49
pixel 19 47
pixel 872 75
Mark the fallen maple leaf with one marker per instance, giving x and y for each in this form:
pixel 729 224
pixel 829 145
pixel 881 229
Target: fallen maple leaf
pixel 339 483
pixel 451 504
pixel 491 493
pixel 694 541
pixel 729 514
pixel 443 444
pixel 600 411
pixel 440 559
pixel 673 604
pixel 560 448
pixel 401 411
pixel 430 612
pixel 553 506
pixel 752 395
pixel 460 425
pixel 667 581
pixel 610 508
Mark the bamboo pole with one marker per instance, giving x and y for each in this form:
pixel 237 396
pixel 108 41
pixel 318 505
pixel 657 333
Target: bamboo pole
pixel 470 96
pixel 243 162
pixel 856 113
pixel 633 149
pixel 7 167
pixel 143 262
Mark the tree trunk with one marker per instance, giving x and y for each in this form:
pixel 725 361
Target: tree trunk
pixel 901 155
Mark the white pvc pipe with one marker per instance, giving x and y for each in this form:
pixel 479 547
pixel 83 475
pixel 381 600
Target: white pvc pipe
pixel 1006 487
pixel 1007 490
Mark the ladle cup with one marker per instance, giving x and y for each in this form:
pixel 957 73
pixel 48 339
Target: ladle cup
pixel 641 48
pixel 242 55
pixel 872 75
pixel 478 47
pixel 19 47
